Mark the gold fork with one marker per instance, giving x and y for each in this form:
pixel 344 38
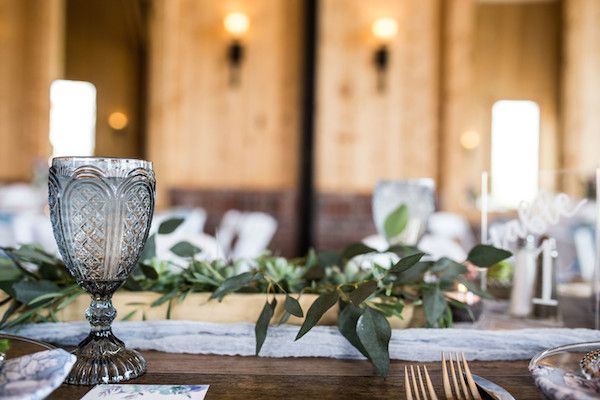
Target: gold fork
pixel 462 390
pixel 410 384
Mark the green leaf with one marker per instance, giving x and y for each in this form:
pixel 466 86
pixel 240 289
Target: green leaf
pixel 405 263
pixel 129 315
pixel 356 249
pixel 233 284
pixel 347 326
pixel 319 307
pixel 434 304
pixel 262 324
pixel 449 269
pixel 68 301
pixel 475 289
pixel 149 251
pixel 149 271
pixel 395 222
pixel 4 345
pixel 374 332
pixel 25 291
pixel 14 306
pixel 485 256
pixel 10 274
pixel 389 309
pixel 414 273
pixel 45 297
pixel 185 249
pixel 169 225
pixel 164 298
pixel 402 250
pixel 292 306
pixel 34 254
pixel 362 292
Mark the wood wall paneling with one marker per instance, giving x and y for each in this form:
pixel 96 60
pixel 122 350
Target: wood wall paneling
pixel 103 45
pixel 31 49
pixel 581 86
pixel 204 133
pixel 494 51
pixel 363 135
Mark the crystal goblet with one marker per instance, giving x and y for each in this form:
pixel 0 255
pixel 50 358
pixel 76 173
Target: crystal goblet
pixel 101 209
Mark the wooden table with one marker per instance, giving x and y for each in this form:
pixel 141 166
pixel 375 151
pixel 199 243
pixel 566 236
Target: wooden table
pixel 303 378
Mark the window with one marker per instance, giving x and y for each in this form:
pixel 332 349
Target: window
pixel 72 118
pixel 515 152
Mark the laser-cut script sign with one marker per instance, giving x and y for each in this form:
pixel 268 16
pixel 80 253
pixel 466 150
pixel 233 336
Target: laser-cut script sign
pixel 535 217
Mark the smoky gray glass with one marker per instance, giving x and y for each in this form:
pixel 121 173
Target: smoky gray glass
pixel 101 209
pixel 419 197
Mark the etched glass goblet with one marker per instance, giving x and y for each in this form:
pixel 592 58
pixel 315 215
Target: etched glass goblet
pixel 101 209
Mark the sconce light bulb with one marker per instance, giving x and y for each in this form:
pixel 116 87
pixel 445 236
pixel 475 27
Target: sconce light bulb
pixel 237 23
pixel 385 28
pixel 469 140
pixel 118 120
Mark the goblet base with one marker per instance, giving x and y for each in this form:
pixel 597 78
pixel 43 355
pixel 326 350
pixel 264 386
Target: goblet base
pixel 103 358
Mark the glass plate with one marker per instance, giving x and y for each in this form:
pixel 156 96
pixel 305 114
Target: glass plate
pixel 558 375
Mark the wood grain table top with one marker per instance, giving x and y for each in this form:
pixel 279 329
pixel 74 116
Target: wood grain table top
pixel 234 377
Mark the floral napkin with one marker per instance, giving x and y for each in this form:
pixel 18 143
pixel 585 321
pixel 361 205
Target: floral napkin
pixel 35 376
pixel 147 392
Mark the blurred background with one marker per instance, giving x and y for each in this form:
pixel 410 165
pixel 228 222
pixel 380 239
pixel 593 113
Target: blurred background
pixel 275 119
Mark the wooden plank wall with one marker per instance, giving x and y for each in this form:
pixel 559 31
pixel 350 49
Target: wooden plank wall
pixel 363 135
pixel 495 51
pixel 581 85
pixel 31 43
pixel 204 133
pixel 104 46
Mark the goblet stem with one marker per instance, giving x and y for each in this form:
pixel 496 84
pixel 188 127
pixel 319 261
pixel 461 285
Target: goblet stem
pixel 101 314
pixel 101 356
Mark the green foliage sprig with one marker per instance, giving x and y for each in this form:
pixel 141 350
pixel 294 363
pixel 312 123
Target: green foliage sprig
pixel 37 286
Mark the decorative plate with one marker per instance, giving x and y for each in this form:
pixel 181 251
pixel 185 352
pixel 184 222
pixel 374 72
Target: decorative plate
pixel 557 373
pixel 37 370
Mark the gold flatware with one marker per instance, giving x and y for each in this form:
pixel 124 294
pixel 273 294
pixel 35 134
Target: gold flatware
pixel 459 390
pixel 410 384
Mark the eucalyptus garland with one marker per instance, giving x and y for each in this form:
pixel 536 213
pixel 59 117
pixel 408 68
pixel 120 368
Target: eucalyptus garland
pixel 37 286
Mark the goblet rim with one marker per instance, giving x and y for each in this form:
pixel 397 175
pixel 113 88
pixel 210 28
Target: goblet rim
pixel 67 164
pixel 99 158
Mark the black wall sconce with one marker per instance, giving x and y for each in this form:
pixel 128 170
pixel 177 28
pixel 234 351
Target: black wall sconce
pixel 237 25
pixel 384 29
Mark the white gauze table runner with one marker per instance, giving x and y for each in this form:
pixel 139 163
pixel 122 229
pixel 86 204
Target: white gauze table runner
pixel 321 341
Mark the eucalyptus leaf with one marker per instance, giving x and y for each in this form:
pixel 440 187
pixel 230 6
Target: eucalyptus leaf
pixel 164 298
pixel 149 251
pixel 169 225
pixel 149 271
pixel 434 304
pixel 10 274
pixel 129 315
pixel 484 256
pixel 347 326
pixel 362 292
pixel 185 249
pixel 405 263
pixel 292 306
pixel 356 249
pixel 262 324
pixel 395 222
pixel 46 296
pixel 233 284
pixel 4 345
pixel 475 289
pixel 25 291
pixel 319 307
pixel 415 273
pixel 374 332
pixel 449 269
